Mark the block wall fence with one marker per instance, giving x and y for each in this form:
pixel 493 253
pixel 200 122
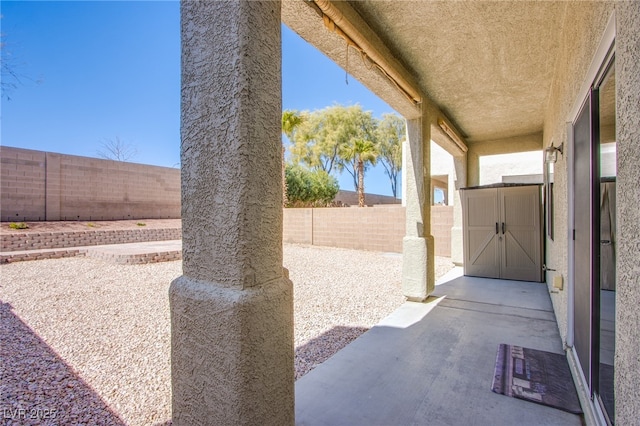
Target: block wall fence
pixel 38 186
pixel 379 228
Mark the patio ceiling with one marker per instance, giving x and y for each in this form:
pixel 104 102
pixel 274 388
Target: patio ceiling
pixel 487 66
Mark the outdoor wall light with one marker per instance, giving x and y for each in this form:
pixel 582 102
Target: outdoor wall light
pixel 551 153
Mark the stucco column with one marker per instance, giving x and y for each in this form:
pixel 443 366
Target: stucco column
pixel 460 181
pixel 627 362
pixel 417 246
pixel 473 168
pixel 232 309
pixel 403 173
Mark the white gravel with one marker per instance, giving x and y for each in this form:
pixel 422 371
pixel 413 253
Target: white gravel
pixel 83 341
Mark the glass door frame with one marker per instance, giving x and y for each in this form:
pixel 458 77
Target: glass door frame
pixel 590 378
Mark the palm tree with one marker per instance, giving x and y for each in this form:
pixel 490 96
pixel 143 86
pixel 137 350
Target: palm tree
pixel 361 153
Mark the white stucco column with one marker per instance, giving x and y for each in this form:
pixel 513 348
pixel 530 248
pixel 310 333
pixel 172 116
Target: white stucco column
pixel 417 245
pixel 460 181
pixel 232 309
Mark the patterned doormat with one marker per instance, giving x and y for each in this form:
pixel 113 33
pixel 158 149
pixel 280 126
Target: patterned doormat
pixel 536 376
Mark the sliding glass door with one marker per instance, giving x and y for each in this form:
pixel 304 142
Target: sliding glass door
pixel 607 208
pixel 594 149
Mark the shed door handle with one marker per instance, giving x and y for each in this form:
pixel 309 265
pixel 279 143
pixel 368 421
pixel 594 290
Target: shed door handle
pixel 497 228
pixel 503 228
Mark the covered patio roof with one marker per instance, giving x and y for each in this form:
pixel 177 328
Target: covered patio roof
pixel 487 67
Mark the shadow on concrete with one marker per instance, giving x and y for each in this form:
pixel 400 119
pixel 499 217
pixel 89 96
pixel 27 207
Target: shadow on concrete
pixel 433 362
pixel 319 349
pixel 37 387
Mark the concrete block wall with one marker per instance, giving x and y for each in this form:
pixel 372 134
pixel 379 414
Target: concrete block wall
pixel 298 226
pixel 48 240
pixel 379 228
pixel 350 198
pixel 22 184
pixel 38 186
pixel 48 186
pixel 441 224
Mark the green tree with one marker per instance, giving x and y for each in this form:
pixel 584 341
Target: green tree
pixel 321 134
pixel 390 134
pixel 360 153
pixel 313 142
pixel 309 187
pixel 355 126
pixel 291 120
pixel 335 138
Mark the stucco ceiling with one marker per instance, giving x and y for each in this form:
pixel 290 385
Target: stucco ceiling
pixel 487 65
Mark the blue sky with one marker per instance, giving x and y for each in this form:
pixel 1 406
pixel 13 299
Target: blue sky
pixel 92 71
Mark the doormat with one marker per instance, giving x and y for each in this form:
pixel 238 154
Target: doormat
pixel 536 376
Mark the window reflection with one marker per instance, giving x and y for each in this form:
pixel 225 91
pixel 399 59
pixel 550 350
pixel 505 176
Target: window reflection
pixel 608 174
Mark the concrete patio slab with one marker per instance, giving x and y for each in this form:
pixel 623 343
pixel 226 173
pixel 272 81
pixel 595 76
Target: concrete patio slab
pixel 432 363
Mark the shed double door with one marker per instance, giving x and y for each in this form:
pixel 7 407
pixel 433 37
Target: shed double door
pixel 503 233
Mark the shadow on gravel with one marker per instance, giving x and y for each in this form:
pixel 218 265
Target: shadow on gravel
pixel 37 387
pixel 323 347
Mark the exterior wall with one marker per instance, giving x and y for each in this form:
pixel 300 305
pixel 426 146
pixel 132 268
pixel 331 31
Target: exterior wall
pixel 627 368
pixel 578 49
pixel 22 174
pixel 578 46
pixel 441 160
pixel 48 186
pixel 350 198
pixel 47 240
pixel 379 228
pixel 524 143
pixel 441 224
pixel 298 226
pixel 495 169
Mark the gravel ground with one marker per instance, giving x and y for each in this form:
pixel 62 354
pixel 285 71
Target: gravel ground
pixel 87 342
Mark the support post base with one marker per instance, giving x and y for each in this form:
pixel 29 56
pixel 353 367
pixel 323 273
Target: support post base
pixel 232 353
pixel 418 264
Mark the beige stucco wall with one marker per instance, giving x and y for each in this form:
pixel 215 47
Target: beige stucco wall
pixel 627 360
pixel 578 46
pixel 523 143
